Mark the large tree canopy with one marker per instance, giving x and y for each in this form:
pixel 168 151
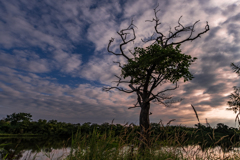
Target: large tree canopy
pixel 167 62
pixel 153 66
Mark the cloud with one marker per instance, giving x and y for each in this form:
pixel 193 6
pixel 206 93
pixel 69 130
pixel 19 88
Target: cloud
pixel 25 60
pixel 48 29
pixel 40 40
pixel 100 69
pixel 42 97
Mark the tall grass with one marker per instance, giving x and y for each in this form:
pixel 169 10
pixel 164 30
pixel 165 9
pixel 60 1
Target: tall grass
pixel 104 147
pixel 108 146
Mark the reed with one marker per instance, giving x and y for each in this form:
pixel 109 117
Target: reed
pixel 178 146
pixel 110 147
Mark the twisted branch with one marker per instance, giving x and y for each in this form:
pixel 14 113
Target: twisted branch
pixel 123 36
pixel 163 40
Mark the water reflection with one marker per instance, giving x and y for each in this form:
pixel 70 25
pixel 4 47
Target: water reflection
pixel 17 148
pixel 55 154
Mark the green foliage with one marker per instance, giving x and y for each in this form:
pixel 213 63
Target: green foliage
pixel 169 62
pixel 19 117
pixel 21 123
pixel 234 101
pixel 235 68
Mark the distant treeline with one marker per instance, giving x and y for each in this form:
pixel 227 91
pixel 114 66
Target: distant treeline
pixel 21 123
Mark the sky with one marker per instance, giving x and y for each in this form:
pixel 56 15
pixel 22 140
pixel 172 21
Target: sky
pixel 54 60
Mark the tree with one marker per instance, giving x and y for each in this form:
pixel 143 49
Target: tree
pixel 234 102
pixel 153 66
pixel 19 117
pixel 235 68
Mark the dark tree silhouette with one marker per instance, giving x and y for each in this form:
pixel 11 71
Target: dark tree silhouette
pixel 234 98
pixel 19 117
pixel 153 66
pixel 235 68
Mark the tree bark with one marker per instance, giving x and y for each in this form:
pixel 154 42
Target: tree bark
pixel 144 126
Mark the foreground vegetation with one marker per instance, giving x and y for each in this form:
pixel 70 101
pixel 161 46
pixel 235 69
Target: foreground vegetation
pixel 176 146
pixel 114 141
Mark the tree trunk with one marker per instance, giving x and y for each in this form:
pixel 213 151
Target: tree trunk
pixel 144 126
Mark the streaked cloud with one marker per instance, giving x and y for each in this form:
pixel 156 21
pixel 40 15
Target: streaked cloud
pixel 42 42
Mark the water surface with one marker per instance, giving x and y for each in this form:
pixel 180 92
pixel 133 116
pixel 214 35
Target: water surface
pixel 21 148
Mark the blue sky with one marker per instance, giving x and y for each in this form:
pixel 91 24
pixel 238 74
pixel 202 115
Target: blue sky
pixel 54 61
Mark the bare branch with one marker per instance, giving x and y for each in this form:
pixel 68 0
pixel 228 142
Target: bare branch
pixel 173 101
pixel 163 40
pixel 130 85
pixel 190 38
pixel 151 38
pixel 157 82
pixel 133 107
pixel 109 44
pixel 138 92
pixel 120 80
pixel 176 86
pixel 235 68
pixel 169 89
pixel 106 89
pixel 139 98
pixel 166 105
pixel 123 36
pixel 179 24
pixel 132 53
pixel 119 64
